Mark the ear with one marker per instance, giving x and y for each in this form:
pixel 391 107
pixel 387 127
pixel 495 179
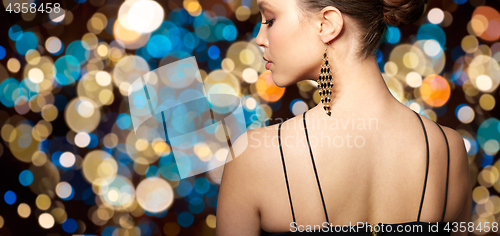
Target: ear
pixel 331 22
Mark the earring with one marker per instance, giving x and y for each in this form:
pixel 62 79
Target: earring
pixel 325 83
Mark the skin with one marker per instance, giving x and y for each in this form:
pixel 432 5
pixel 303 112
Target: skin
pixel 379 181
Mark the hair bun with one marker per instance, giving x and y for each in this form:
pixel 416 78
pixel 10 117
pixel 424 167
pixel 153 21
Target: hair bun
pixel 397 12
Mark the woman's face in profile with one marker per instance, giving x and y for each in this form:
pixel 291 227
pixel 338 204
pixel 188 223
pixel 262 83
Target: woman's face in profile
pixel 291 42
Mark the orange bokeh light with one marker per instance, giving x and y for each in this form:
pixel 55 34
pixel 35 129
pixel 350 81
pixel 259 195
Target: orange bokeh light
pixel 491 22
pixel 267 89
pixel 435 90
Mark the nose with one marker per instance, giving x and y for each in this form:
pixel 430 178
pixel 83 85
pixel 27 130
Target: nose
pixel 261 38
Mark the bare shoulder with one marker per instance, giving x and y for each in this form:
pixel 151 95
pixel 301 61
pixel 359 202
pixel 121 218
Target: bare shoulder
pixel 458 155
pixel 451 138
pixel 460 174
pixel 456 143
pixel 254 146
pixel 459 189
pixel 242 181
pixel 253 151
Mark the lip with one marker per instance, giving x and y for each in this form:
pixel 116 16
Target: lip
pixel 268 65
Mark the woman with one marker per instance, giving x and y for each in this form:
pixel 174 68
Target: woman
pixel 358 158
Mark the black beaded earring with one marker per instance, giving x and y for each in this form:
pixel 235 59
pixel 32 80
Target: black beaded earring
pixel 325 83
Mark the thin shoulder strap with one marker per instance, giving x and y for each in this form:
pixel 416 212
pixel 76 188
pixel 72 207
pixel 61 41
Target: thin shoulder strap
pixel 427 168
pixel 447 170
pixel 284 170
pixel 314 165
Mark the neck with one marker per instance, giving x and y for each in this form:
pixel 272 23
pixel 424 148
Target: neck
pixel 359 87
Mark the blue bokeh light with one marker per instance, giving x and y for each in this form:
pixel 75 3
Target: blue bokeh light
pixel 139 101
pixel 15 32
pixel 152 171
pixel 201 185
pixel 159 46
pixel 213 52
pixel 8 87
pixel 70 225
pixel 80 50
pixel 2 52
pixel 66 70
pixel 94 140
pixel 26 42
pixel 26 178
pixel 184 188
pixel 108 231
pixel 460 2
pixel 432 31
pixel 185 219
pixel 123 121
pixel 10 197
pixel 393 34
pixel 196 205
pixel 229 32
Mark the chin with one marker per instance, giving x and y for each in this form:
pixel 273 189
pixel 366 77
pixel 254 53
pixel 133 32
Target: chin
pixel 278 80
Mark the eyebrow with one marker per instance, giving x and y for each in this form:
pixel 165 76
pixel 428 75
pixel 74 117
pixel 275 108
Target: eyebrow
pixel 262 5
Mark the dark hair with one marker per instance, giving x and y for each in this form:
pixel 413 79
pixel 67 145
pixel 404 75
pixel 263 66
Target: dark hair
pixel 372 16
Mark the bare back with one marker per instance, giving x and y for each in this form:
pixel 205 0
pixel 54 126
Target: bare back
pixel 376 175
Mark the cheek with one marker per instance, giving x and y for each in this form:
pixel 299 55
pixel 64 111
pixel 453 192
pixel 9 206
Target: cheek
pixel 294 51
pixel 286 42
pixel 294 48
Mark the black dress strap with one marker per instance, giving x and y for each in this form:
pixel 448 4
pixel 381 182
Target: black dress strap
pixel 314 165
pixel 427 167
pixel 447 170
pixel 284 170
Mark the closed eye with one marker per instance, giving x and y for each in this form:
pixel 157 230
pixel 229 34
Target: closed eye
pixel 270 22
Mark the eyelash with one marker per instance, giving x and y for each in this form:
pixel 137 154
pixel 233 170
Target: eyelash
pixel 270 22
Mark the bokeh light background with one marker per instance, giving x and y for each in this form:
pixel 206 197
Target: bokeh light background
pixel 71 164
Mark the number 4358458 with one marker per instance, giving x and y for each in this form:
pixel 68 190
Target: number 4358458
pixel 32 8
pixel 470 227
